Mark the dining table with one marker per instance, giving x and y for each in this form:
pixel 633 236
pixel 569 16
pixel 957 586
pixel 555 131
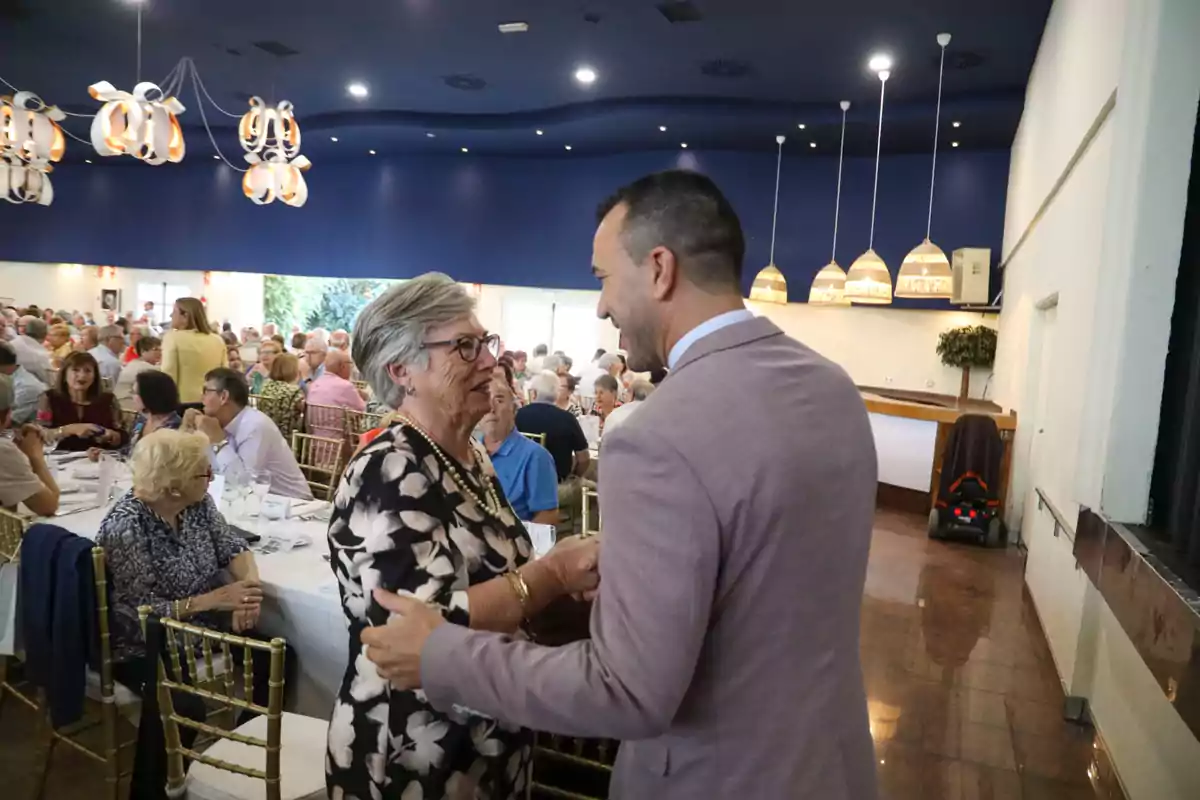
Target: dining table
pixel 301 603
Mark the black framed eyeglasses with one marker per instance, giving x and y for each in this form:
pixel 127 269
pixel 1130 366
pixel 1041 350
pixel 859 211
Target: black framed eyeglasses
pixel 469 347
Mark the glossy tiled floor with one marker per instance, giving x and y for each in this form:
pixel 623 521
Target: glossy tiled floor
pixel 963 696
pixel 964 701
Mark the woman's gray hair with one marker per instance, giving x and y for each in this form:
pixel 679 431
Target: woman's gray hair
pixel 392 328
pixel 552 363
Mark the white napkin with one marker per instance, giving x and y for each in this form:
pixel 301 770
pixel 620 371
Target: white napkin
pixel 312 509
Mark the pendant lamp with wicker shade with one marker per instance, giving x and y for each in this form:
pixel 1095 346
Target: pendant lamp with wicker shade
pixel 926 272
pixel 829 286
pixel 769 284
pixel 868 281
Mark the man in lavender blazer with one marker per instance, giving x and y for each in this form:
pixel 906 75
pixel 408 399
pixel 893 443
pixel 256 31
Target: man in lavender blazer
pixel 737 508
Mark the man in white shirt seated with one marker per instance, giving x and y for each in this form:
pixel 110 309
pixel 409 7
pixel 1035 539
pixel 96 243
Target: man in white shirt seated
pixel 108 352
pixel 149 356
pixel 639 390
pixel 31 349
pixel 27 390
pixel 24 476
pixel 244 439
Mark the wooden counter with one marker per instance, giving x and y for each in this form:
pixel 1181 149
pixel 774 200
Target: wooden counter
pixel 943 411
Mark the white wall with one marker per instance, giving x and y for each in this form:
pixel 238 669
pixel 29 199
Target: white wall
pixel 232 296
pixel 1087 305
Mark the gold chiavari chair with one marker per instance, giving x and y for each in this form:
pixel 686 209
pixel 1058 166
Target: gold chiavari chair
pixel 321 460
pixel 359 422
pixel 591 508
pixel 325 421
pixel 572 768
pixel 128 418
pixel 12 531
pixel 286 752
pixel 540 438
pixel 362 386
pixel 111 698
pixel 253 400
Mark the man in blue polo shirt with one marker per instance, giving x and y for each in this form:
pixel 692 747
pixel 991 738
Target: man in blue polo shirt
pixel 526 469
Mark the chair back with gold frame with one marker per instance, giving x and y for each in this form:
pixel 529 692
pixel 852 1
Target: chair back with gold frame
pixel 77 735
pixel 591 509
pixel 12 530
pixel 321 460
pixel 361 386
pixel 359 422
pixel 325 421
pixel 253 399
pixel 180 640
pixel 540 438
pixel 570 767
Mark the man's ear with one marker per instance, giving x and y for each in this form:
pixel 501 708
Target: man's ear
pixel 664 273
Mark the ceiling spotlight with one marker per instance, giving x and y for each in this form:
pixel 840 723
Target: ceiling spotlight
pixel 513 27
pixel 568 147
pixel 585 75
pixel 87 161
pixel 540 133
pixel 216 158
pixel 880 62
pixel 431 135
pixel 683 145
pixel 371 152
pixel 357 90
pixel 956 124
pixel 812 144
pixel 333 138
pixel 801 126
pixel 662 128
pixel 465 150
pixel 954 144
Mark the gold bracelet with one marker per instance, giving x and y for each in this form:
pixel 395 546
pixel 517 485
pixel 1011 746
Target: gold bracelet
pixel 521 589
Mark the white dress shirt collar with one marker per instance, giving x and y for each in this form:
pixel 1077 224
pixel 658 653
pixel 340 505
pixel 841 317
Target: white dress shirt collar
pixel 709 326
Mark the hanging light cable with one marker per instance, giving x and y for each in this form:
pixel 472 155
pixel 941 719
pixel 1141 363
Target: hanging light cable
pixel 868 280
pixel 769 284
pixel 926 271
pixel 829 286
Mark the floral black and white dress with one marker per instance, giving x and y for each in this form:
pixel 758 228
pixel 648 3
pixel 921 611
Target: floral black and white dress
pixel 402 524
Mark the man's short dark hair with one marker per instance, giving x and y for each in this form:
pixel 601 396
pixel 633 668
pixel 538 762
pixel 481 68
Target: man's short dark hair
pixel 8 356
pixel 686 213
pixel 232 381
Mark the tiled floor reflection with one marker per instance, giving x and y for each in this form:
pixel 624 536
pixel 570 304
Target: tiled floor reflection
pixel 963 697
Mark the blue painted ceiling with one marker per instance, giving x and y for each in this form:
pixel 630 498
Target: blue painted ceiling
pixel 791 61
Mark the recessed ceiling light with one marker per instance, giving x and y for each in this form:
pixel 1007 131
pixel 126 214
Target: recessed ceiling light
pixel 954 144
pixel 216 158
pixel 431 135
pixel 683 145
pixel 956 124
pixel 372 152
pixel 662 128
pixel 801 126
pixel 465 150
pixel 333 138
pixel 539 133
pixel 812 144
pixel 567 146
pixel 357 90
pixel 585 75
pixel 513 27
pixel 87 161
pixel 880 62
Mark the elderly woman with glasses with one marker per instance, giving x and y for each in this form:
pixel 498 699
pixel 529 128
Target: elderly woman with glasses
pixel 420 511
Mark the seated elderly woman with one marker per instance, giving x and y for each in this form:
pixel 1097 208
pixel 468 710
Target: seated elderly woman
pixel 281 398
pixel 58 342
pixel 420 511
pixel 77 413
pixel 607 389
pixel 260 372
pixel 156 399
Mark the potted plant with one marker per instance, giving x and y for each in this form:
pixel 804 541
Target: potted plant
pixel 967 347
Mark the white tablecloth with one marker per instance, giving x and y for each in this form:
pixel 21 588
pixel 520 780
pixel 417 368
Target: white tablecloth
pixel 301 604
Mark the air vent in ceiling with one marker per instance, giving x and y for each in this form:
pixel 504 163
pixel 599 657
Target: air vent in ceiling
pixel 278 49
pixel 726 68
pixel 466 83
pixel 676 11
pixel 961 59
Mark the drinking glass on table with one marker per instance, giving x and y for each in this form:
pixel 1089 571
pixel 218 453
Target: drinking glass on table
pixel 261 486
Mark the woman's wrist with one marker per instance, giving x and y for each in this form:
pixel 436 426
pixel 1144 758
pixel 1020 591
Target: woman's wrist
pixel 543 583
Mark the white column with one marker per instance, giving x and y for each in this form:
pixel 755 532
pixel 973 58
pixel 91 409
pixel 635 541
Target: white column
pixel 1153 125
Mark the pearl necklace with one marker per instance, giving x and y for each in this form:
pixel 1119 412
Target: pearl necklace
pixel 490 503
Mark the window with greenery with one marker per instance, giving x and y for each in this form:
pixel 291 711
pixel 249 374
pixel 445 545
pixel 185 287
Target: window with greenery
pixel 328 303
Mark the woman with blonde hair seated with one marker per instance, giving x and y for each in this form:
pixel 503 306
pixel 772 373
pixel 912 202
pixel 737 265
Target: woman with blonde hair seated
pixel 281 398
pixel 191 348
pixel 58 342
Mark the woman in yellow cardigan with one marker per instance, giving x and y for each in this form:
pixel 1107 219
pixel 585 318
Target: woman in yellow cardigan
pixel 191 348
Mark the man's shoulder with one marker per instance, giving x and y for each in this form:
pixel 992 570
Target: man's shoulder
pixel 14 464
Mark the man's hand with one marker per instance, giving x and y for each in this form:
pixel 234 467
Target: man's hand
pixel 395 648
pixel 29 441
pixel 196 421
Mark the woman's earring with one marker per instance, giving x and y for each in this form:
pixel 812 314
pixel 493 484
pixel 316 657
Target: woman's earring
pixel 409 391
